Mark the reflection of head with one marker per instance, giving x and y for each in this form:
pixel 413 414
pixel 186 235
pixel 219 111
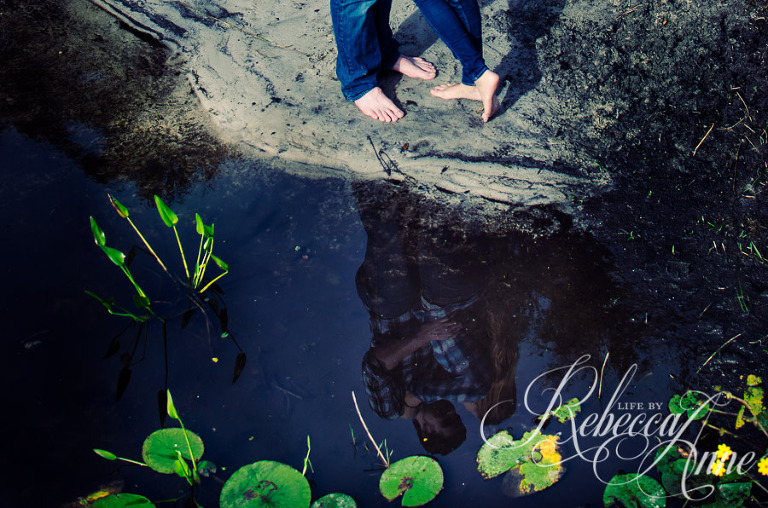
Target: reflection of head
pixel 439 427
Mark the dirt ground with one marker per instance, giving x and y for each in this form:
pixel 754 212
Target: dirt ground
pixel 669 98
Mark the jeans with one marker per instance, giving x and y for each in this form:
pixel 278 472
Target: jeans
pixel 458 24
pixel 364 42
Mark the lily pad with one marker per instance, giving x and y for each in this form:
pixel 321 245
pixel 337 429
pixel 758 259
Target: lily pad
pixel 335 500
pixel 534 461
pixel 730 495
pixel 159 449
pixel 753 396
pixel 266 483
pixel 123 500
pixel 634 491
pixel 418 479
pixel 689 403
pixel 564 412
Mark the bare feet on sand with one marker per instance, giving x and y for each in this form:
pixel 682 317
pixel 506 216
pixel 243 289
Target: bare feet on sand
pixel 377 105
pixel 414 67
pixel 484 90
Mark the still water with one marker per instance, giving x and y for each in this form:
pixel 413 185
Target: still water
pixel 325 275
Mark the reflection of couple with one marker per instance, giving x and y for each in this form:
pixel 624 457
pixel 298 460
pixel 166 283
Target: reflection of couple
pixel 425 290
pixel 366 48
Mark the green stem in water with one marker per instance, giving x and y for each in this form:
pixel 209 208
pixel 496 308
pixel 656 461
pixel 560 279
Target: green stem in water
pixel 214 280
pixel 197 262
pixel 146 244
pixel 135 285
pixel 181 250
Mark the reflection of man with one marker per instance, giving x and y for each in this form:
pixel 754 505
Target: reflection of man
pixel 419 286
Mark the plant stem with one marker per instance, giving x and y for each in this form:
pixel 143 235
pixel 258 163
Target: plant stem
pixel 135 285
pixel 132 461
pixel 146 244
pixel 214 280
pixel 378 450
pixel 181 249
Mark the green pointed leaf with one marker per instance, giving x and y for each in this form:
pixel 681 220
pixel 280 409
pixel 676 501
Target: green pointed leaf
pixel 181 468
pixel 121 210
pixel 634 491
pixel 98 233
pixel 169 218
pixel 170 407
pixel 114 255
pixel 104 453
pixel 266 483
pixel 418 479
pixel 208 230
pixel 123 500
pixel 221 264
pixel 159 449
pixel 199 226
pixel 335 500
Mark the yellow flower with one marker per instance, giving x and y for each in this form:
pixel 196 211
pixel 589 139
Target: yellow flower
pixel 724 452
pixel 718 468
pixel 762 466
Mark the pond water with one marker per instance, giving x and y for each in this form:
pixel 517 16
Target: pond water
pixel 319 270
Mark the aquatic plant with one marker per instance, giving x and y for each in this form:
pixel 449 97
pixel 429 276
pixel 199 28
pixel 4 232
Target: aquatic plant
pixel 195 283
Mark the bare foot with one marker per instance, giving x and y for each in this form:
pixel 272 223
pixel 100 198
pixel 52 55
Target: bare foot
pixel 414 67
pixel 484 90
pixel 377 105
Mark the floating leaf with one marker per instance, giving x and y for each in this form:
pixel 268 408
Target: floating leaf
pixel 169 218
pixel 542 473
pixel 689 403
pixel 418 479
pixel 564 412
pixel 266 483
pixel 159 449
pixel 98 233
pixel 501 452
pixel 633 491
pixel 121 210
pixel 753 396
pixel 730 495
pixel 335 500
pixel 104 453
pixel 123 500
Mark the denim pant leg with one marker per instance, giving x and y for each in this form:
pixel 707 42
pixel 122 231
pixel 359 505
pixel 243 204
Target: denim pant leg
pixel 364 42
pixel 458 24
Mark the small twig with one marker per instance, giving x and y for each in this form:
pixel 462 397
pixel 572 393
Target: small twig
pixel 705 308
pixel 630 11
pixel 600 389
pixel 718 350
pixel 702 140
pixel 378 450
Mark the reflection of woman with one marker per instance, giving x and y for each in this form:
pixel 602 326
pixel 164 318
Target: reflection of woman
pixel 420 286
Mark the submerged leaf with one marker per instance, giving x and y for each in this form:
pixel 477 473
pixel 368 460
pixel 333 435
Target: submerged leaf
pixel 418 479
pixel 266 483
pixel 160 447
pixel 169 218
pixel 239 366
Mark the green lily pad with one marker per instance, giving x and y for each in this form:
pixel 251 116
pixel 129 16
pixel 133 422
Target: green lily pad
pixel 730 495
pixel 418 479
pixel 123 500
pixel 335 500
pixel 266 483
pixel 564 412
pixel 753 396
pixel 634 491
pixel 689 403
pixel 159 449
pixel 534 461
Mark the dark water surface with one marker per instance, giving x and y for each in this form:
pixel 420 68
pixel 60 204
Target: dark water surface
pixel 301 307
